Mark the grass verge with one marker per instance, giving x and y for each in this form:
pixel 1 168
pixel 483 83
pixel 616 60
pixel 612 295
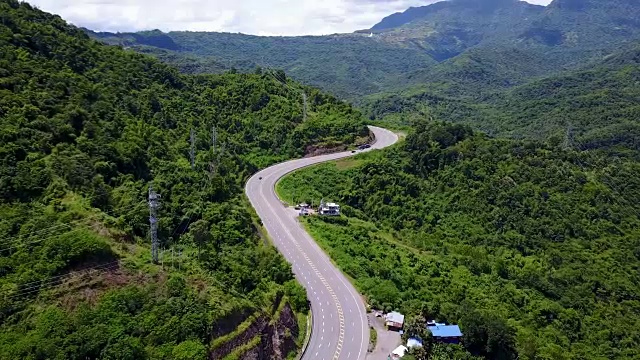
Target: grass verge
pixel 373 338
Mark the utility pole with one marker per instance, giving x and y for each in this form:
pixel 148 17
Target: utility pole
pixel 154 204
pixel 192 152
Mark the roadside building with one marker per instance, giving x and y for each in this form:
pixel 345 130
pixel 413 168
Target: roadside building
pixel 399 352
pixel 394 320
pixel 449 334
pixel 330 209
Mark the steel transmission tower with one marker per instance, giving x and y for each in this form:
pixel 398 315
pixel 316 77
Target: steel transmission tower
pixel 154 204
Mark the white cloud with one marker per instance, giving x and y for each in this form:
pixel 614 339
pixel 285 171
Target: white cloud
pixel 259 17
pixel 539 2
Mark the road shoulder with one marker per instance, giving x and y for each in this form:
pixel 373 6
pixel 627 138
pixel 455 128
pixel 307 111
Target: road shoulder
pixel 387 340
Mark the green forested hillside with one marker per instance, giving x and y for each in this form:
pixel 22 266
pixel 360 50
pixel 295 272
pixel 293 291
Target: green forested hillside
pixel 348 65
pixel 584 24
pixel 85 130
pixel 531 248
pixel 593 107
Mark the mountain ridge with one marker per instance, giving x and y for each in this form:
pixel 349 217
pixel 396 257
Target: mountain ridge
pixel 447 45
pixel 416 12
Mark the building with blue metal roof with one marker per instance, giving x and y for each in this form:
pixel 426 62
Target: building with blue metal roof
pixel 446 333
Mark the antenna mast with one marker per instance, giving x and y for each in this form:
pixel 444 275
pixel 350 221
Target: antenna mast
pixel 154 204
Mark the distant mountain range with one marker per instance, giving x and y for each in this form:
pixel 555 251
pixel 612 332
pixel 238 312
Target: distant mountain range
pixel 519 39
pixel 446 29
pixel 351 65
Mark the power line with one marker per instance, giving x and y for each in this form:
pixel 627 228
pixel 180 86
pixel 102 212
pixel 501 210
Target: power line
pixel 278 77
pixel 55 280
pixel 69 281
pixel 213 165
pixel 48 236
pixel 59 278
pixel 39 240
pixel 33 233
pixel 63 275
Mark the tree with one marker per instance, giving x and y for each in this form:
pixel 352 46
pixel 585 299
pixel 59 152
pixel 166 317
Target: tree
pixel 201 234
pixel 297 296
pixel 489 335
pixel 419 353
pixel 189 350
pixel 281 75
pixel 124 348
pixel 88 126
pixel 415 326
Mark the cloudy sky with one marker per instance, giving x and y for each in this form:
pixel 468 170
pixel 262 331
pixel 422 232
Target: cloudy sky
pixel 259 17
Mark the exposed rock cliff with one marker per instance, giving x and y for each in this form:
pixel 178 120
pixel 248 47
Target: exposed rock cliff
pixel 262 336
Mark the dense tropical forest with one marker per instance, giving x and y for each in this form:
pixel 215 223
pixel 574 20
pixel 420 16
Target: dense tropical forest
pixel 531 243
pixel 532 247
pixel 596 106
pixel 348 65
pixel 86 129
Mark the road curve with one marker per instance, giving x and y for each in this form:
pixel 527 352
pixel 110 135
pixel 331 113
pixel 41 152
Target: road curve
pixel 340 328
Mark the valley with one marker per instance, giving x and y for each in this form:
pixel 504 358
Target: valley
pixel 508 207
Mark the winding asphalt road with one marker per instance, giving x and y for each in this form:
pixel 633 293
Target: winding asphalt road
pixel 340 329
